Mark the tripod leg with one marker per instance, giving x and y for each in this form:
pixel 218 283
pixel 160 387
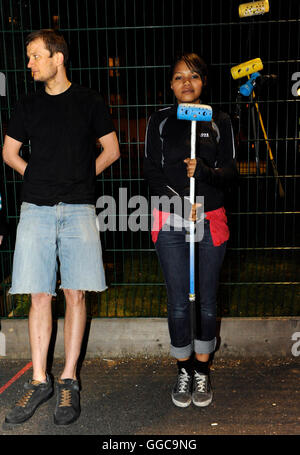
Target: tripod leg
pixel 255 140
pixel 275 171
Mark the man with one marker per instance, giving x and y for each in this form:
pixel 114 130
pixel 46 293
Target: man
pixel 62 122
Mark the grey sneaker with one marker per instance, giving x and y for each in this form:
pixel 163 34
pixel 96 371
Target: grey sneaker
pixel 35 394
pixel 182 392
pixel 67 408
pixel 202 392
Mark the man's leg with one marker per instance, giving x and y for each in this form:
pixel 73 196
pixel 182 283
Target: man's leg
pixel 34 273
pixel 40 329
pixel 81 268
pixel 40 388
pixel 67 408
pixel 75 322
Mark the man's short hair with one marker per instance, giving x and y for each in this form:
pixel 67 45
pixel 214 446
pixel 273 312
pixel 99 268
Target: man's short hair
pixel 53 40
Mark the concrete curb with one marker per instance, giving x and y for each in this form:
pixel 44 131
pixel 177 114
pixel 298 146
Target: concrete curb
pixel 112 337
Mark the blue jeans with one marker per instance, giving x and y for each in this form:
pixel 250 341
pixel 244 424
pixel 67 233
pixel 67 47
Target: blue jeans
pixel 173 253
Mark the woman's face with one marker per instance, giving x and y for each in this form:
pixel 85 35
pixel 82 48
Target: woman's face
pixel 186 84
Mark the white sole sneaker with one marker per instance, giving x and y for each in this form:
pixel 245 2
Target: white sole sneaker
pixel 202 404
pixel 181 404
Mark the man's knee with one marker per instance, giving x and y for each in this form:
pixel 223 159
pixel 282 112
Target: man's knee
pixel 40 299
pixel 74 296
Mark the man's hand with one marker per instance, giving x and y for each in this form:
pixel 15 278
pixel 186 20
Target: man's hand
pixel 191 166
pixel 1 238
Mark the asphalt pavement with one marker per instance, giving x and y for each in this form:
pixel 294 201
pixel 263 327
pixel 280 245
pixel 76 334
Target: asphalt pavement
pixel 131 396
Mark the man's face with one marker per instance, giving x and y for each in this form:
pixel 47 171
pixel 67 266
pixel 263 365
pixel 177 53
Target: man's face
pixel 43 67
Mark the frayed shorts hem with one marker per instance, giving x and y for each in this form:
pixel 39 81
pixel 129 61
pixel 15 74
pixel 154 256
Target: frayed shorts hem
pixel 84 288
pixel 13 292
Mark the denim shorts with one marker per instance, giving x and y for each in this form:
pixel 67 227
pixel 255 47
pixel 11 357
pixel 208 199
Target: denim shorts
pixel 64 232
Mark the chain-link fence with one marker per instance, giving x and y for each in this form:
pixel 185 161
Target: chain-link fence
pixel 124 49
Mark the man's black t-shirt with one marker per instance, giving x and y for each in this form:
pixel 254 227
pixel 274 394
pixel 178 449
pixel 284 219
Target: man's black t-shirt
pixel 62 130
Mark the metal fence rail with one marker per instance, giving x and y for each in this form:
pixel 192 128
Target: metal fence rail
pixel 124 49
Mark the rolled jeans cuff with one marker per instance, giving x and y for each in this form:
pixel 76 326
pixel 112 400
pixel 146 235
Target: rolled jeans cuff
pixel 182 352
pixel 205 347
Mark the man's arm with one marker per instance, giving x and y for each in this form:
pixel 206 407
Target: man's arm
pixel 10 153
pixel 110 152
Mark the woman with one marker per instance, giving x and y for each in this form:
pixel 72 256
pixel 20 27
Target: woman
pixel 168 168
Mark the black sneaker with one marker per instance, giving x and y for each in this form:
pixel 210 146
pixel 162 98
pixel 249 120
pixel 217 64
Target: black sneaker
pixel 36 393
pixel 182 392
pixel 202 392
pixel 67 408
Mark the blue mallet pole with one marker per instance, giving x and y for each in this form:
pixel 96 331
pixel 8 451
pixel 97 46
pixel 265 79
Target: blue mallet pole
pixel 194 113
pixel 192 295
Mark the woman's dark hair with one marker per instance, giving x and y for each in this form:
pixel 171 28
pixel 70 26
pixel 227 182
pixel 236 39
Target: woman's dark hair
pixel 193 62
pixel 53 40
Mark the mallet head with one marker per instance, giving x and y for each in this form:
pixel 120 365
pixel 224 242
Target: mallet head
pixel 254 8
pixel 246 68
pixel 247 88
pixel 198 112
